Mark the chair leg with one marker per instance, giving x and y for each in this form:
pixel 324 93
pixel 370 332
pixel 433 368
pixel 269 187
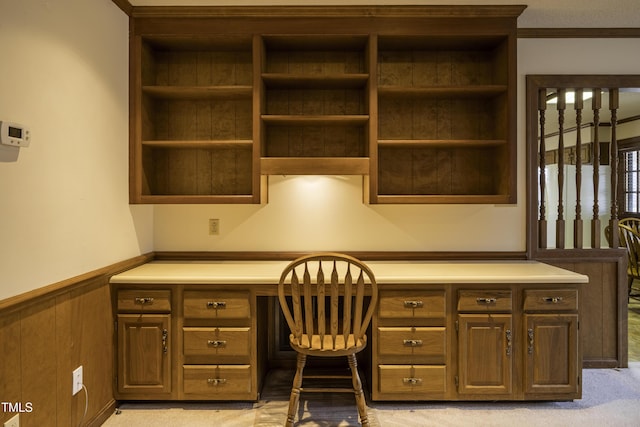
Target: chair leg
pixel 294 399
pixel 357 389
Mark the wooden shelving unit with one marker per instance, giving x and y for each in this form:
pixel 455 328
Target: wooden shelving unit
pixel 421 104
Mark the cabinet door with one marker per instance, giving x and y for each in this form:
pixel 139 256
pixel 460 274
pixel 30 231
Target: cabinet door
pixel 552 353
pixel 484 354
pixel 144 359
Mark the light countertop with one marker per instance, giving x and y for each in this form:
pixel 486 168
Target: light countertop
pixel 386 272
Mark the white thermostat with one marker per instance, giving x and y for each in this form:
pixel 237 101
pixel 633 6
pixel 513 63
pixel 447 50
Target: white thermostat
pixel 14 135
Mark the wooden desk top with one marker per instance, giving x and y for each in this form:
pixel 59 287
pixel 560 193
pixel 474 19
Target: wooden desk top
pixel 386 272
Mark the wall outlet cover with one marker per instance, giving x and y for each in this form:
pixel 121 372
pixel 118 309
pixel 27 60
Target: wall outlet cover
pixel 77 380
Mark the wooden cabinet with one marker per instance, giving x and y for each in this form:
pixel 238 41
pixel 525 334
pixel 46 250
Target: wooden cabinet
pixel 419 100
pixel 315 104
pixel 219 345
pixel 410 345
pixel 443 108
pixel 552 358
pixel 485 360
pixel 144 339
pixel 192 138
pixel 176 342
pixel 476 342
pixel 485 343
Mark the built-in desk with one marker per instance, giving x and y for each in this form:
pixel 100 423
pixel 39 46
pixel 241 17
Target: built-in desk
pixel 443 330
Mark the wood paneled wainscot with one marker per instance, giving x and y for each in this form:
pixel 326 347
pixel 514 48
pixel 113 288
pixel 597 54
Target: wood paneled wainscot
pixel 442 330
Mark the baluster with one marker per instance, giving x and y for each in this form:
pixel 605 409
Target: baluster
pixel 560 224
pixel 542 221
pixel 596 104
pixel 613 106
pixel 577 223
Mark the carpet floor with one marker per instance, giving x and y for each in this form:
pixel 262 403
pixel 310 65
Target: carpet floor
pixel 611 398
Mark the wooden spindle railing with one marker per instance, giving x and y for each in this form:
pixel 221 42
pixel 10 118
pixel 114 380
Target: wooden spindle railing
pixel 577 222
pixel 613 106
pixel 560 223
pixel 542 220
pixel 596 156
pixel 596 104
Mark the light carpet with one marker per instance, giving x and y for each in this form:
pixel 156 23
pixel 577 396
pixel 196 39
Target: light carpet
pixel 611 398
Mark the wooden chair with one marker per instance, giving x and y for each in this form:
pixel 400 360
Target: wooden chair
pixel 633 223
pixel 327 300
pixel 630 239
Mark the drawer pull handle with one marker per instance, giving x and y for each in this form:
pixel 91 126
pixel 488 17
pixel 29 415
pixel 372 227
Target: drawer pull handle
pixel 165 338
pixel 217 343
pixel 143 300
pixel 413 304
pixel 412 343
pixel 552 300
pixel 216 381
pixel 216 304
pixel 412 381
pixel 486 300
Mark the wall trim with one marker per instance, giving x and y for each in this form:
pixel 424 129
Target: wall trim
pixel 20 301
pixel 572 33
pixel 344 11
pixel 125 6
pixel 365 256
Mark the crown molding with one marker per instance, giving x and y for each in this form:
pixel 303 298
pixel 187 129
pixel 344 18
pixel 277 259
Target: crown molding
pixel 560 33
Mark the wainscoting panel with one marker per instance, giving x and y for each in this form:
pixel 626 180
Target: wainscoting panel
pixel 44 336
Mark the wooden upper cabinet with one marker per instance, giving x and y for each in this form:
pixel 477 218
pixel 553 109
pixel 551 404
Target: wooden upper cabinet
pixel 192 136
pixel 421 100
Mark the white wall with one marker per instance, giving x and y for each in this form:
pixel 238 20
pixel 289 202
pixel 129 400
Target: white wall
pixel 64 201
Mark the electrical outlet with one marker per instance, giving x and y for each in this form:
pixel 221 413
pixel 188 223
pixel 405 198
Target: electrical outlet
pixel 77 380
pixel 13 422
pixel 214 226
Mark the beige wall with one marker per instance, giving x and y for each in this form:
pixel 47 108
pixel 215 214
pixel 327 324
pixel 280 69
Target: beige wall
pixel 64 206
pixel 64 202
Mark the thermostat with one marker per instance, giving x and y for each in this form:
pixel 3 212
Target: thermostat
pixel 14 135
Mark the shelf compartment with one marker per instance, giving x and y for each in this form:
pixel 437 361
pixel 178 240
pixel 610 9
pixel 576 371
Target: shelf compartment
pixel 443 199
pixel 204 64
pixel 442 91
pixel 313 140
pixel 204 144
pixel 314 165
pixel 214 171
pixel 198 92
pixel 419 61
pixel 440 171
pixel 315 120
pixel 332 81
pixel 201 119
pixel 315 55
pixel 442 118
pixel 442 143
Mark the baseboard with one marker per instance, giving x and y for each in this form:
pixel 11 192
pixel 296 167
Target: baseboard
pixel 103 414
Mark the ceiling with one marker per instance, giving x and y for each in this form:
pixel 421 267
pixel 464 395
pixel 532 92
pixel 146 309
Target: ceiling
pixel 539 13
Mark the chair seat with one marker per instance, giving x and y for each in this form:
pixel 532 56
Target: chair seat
pixel 318 346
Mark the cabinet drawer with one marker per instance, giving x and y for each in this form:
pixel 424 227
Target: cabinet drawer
pixel 421 342
pixel 216 305
pixel 484 301
pixel 416 382
pixel 411 305
pixel 219 381
pixel 137 300
pixel 218 342
pixel 550 299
